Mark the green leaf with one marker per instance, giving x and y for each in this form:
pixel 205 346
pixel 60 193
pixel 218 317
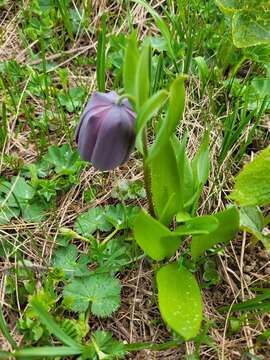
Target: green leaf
pixel 252 221
pixel 228 227
pixel 148 110
pixel 101 59
pixel 130 64
pixel 47 351
pixel 92 220
pixel 7 213
pixel 34 211
pixel 179 300
pixel 250 21
pixel 160 24
pixel 187 187
pixel 51 325
pixel 198 225
pixel 5 331
pixel 142 80
pixel 111 256
pixel 121 216
pixel 106 347
pixel 99 291
pixel 166 191
pixel 251 28
pixel 156 240
pixel 66 260
pixel 252 185
pixel 65 160
pixel 200 163
pixel 173 118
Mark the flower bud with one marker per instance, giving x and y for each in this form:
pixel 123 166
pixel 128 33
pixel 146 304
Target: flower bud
pixel 106 132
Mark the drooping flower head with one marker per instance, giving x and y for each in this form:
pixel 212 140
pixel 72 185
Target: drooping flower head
pixel 106 132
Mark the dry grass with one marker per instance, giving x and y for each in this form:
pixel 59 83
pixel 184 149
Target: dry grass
pixel 240 266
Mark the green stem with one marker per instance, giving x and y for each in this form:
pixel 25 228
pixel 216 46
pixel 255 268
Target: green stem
pixel 147 175
pixel 111 235
pixel 123 97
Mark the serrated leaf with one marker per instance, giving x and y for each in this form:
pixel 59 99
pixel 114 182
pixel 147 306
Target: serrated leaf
pixel 156 240
pixel 106 347
pixel 112 256
pixel 179 300
pixel 92 220
pixel 252 185
pixel 99 291
pixel 228 227
pixel 64 159
pixel 120 216
pixel 67 260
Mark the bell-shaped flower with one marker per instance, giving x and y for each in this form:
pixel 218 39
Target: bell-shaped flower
pixel 106 132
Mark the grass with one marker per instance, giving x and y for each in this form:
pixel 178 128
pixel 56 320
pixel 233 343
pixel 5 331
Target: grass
pixel 51 60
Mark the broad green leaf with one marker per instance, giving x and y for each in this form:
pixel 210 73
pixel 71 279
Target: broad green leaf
pixel 252 221
pixel 198 225
pixel 227 229
pixel 251 28
pixel 121 216
pixel 200 163
pixel 166 191
pixel 252 185
pixel 92 220
pixel 64 159
pixel 160 24
pixel 173 118
pixel 66 259
pixel 155 239
pixel 179 300
pixel 99 291
pixel 229 7
pixel 34 211
pixel 250 21
pixel 142 80
pixel 130 64
pixel 148 110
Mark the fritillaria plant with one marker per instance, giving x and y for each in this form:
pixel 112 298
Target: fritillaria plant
pixel 106 135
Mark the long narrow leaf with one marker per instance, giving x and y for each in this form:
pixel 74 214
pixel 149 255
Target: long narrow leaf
pixel 5 331
pixel 47 351
pixel 130 64
pixel 101 55
pixel 149 109
pixel 160 24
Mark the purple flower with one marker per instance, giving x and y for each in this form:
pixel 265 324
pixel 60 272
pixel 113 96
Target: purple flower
pixel 106 132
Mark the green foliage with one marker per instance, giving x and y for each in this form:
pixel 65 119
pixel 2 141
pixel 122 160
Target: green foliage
pixel 67 260
pixel 253 183
pixel 228 227
pixel 156 240
pixel 179 300
pixel 250 21
pixel 128 190
pixel 100 292
pixel 166 189
pixel 105 218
